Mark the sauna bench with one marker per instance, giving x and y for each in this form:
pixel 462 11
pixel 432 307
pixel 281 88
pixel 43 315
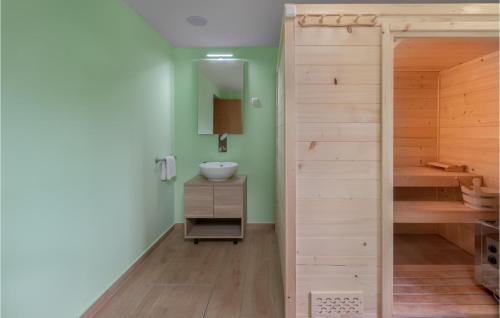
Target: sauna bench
pixel 215 209
pixel 430 177
pixel 438 212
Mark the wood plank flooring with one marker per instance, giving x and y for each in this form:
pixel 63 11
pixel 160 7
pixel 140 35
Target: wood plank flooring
pixel 214 279
pixel 428 249
pixel 435 278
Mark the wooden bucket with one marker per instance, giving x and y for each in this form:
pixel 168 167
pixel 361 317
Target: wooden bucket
pixel 480 198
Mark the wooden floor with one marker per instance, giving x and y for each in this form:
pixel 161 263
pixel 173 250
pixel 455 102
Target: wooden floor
pixel 427 249
pixel 214 279
pixel 434 278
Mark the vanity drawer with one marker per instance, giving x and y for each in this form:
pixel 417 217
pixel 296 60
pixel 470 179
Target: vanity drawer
pixel 199 202
pixel 228 201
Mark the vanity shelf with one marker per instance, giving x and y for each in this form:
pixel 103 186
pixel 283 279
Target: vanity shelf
pixel 215 209
pixel 214 228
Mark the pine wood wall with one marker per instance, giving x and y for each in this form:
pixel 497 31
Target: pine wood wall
pixel 468 133
pixel 415 131
pixel 415 117
pixel 338 162
pixel 337 100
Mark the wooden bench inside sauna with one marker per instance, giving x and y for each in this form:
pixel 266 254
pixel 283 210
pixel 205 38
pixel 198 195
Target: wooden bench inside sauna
pixel 436 211
pixel 445 173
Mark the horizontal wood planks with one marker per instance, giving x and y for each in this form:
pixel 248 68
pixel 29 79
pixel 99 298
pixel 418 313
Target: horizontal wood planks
pixel 340 113
pixel 460 234
pixel 440 291
pixel 469 116
pixel 438 212
pixel 415 117
pixel 337 55
pixel 440 53
pixel 338 162
pixel 426 177
pixel 435 278
pixel 337 129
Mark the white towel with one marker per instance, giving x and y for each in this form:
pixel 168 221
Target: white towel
pixel 168 170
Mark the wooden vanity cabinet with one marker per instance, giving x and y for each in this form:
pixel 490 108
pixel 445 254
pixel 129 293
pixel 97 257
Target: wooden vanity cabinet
pixel 215 210
pixel 199 201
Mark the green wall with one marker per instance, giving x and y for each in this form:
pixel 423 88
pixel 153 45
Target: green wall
pixel 254 150
pixel 86 107
pixel 87 104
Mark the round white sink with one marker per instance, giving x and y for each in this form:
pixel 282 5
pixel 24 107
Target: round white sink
pixel 218 171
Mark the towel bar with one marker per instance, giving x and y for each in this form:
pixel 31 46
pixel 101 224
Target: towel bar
pixel 162 159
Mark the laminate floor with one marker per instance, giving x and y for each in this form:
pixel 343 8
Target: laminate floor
pixel 214 279
pixel 434 278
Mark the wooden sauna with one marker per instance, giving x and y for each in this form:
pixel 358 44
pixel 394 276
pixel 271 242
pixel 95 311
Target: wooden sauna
pixel 367 97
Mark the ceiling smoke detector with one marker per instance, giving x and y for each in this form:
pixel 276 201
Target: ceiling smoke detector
pixel 197 20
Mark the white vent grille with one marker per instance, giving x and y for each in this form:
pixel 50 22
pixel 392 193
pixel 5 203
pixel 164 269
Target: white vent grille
pixel 336 305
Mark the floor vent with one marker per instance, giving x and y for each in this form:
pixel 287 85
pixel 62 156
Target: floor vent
pixel 336 304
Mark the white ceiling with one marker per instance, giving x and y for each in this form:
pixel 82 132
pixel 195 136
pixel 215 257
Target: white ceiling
pixel 231 23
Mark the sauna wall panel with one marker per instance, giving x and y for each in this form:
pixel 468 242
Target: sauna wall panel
pixel 469 116
pixel 415 117
pixel 416 228
pixel 280 216
pixel 415 132
pixel 338 163
pixel 468 131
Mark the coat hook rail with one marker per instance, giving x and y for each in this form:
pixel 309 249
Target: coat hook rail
pixel 342 20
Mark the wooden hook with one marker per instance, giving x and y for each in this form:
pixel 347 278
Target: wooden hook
pixel 302 20
pixel 349 28
pixel 357 18
pixel 339 18
pixel 321 18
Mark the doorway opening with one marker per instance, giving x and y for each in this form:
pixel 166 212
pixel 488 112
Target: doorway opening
pixel 445 141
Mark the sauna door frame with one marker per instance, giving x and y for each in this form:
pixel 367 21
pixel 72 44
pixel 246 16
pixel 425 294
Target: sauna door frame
pixel 391 32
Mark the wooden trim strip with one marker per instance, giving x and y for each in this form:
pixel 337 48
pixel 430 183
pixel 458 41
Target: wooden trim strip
pixel 290 169
pixel 492 55
pixel 428 9
pixel 445 26
pixel 120 282
pixel 387 217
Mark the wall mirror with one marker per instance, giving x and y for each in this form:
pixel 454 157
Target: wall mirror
pixel 220 96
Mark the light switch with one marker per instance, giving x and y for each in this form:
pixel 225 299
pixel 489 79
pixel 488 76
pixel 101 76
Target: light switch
pixel 255 102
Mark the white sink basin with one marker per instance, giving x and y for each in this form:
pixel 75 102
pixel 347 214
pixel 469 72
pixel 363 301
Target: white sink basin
pixel 218 171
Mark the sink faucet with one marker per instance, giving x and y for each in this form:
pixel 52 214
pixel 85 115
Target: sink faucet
pixel 223 143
